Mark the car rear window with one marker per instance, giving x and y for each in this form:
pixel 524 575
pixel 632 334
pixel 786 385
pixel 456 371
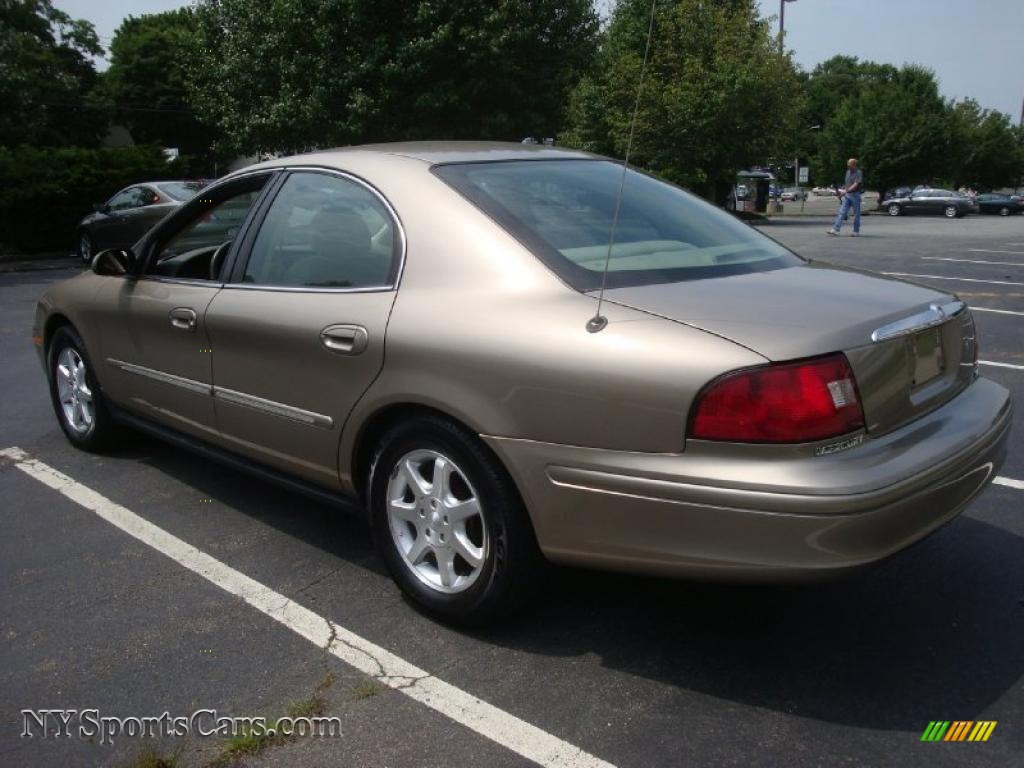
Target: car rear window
pixel 562 210
pixel 181 190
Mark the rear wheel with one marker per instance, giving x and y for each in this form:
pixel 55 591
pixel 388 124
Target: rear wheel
pixel 85 247
pixel 449 524
pixel 894 209
pixel 1004 211
pixel 951 212
pixel 76 397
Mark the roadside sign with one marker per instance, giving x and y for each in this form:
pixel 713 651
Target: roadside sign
pixel 804 175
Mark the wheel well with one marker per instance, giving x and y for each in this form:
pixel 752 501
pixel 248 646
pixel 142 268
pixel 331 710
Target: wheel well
pixel 53 322
pixel 379 423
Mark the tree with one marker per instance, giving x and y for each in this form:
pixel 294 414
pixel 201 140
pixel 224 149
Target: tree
pixel 294 74
pixel 47 79
pixel 897 126
pixel 984 151
pixel 146 81
pixel 826 87
pixel 719 94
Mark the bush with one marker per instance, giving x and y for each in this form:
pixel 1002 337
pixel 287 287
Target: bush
pixel 44 191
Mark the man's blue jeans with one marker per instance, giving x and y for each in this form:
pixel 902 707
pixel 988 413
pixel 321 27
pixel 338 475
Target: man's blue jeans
pixel 850 200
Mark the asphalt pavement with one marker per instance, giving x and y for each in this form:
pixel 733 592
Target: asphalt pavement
pixel 608 669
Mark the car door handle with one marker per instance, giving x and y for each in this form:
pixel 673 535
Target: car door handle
pixel 345 339
pixel 183 318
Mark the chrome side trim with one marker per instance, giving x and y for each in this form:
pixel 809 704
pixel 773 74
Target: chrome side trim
pixel 935 315
pixel 167 378
pixel 273 407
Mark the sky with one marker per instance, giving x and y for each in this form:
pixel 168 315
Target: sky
pixel 973 46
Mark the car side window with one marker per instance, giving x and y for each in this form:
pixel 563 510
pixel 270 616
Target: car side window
pixel 123 200
pixel 324 231
pixel 196 248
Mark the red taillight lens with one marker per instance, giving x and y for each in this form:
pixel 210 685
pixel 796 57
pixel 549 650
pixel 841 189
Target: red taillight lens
pixel 784 403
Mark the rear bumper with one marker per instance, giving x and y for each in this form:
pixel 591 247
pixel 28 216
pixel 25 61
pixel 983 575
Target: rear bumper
pixel 727 512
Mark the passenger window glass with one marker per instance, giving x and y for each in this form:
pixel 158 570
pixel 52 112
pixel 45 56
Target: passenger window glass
pixel 123 200
pixel 197 250
pixel 324 231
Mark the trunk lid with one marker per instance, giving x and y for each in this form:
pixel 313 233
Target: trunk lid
pixel 817 308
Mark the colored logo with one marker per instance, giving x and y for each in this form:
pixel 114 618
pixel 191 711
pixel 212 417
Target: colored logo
pixel 958 730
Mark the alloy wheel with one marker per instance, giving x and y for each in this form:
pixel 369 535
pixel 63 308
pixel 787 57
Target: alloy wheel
pixel 436 521
pixel 85 247
pixel 950 211
pixel 1004 211
pixel 76 400
pixel 894 210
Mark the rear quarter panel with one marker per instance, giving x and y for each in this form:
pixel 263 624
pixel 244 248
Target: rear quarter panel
pixel 483 331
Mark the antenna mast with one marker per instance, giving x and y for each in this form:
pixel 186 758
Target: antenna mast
pixel 599 321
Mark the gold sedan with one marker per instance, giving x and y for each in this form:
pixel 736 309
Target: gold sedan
pixel 416 328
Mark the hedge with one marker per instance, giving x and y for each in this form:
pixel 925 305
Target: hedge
pixel 44 192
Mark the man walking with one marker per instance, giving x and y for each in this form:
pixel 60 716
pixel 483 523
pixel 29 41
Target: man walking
pixel 850 195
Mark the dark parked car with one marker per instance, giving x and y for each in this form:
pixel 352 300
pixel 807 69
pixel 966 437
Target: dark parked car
pixel 1004 205
pixel 129 214
pixel 950 204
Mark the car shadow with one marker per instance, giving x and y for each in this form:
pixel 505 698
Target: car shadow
pixel 933 632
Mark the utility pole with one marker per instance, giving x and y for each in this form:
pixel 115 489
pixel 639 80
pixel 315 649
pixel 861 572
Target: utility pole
pixel 774 202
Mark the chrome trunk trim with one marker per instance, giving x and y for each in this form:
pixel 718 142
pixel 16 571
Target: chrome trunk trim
pixel 935 315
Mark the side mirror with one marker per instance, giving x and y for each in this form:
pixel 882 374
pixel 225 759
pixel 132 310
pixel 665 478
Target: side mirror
pixel 113 262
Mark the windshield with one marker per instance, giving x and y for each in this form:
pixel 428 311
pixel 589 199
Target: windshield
pixel 181 190
pixel 562 210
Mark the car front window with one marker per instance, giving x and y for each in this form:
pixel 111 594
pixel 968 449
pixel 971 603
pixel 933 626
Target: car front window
pixel 562 210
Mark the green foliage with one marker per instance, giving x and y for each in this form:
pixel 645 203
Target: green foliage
pixel 45 191
pixel 146 81
pixel 719 95
pixel 47 81
pixel 897 127
pixel 985 151
pixel 293 74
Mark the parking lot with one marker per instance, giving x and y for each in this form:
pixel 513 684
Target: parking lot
pixel 150 580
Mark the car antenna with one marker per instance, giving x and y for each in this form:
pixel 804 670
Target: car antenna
pixel 599 321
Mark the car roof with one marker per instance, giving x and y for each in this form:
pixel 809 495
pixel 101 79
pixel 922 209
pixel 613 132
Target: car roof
pixel 433 153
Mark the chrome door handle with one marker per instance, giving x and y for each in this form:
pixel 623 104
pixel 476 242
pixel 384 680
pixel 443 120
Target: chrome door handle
pixel 345 339
pixel 183 318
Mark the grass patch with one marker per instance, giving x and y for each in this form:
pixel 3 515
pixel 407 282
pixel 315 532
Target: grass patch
pixel 249 743
pixel 150 757
pixel 365 690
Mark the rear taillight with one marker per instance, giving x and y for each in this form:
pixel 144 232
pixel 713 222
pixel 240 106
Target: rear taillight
pixel 781 403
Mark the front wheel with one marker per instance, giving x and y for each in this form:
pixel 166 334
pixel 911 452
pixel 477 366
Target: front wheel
pixel 894 209
pixel 77 399
pixel 449 523
pixel 951 212
pixel 85 247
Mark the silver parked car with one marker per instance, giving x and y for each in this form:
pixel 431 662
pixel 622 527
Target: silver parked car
pixel 414 328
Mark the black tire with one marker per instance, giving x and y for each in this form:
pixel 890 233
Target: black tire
pixel 894 209
pixel 86 247
pixel 951 212
pixel 102 432
pixel 513 565
pixel 1004 211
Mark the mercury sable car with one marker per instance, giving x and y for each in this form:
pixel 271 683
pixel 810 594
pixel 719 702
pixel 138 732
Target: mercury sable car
pixel 415 328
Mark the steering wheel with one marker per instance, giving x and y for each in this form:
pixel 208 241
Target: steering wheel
pixel 217 260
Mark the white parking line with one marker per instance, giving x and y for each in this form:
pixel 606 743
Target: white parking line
pixel 497 725
pixel 975 261
pixel 1001 365
pixel 1009 482
pixel 995 250
pixel 946 277
pixel 996 311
